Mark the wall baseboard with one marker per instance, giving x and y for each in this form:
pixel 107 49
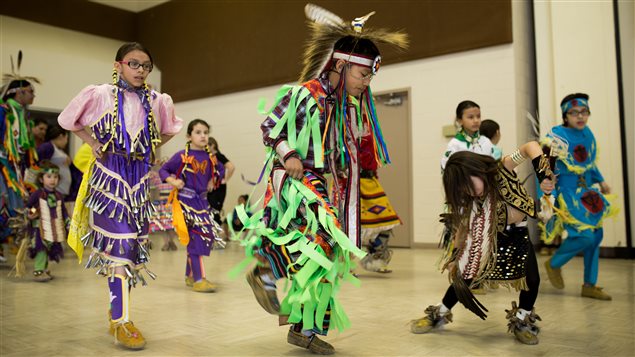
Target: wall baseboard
pixel 605 252
pixel 617 252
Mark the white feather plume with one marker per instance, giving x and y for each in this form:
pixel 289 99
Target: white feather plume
pixel 535 126
pixel 322 16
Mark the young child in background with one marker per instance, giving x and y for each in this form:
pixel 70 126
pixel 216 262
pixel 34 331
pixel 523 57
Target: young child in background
pixel 491 130
pixel 378 217
pixel 216 198
pixel 235 221
pixel 194 172
pixel 124 123
pixel 161 221
pixel 49 222
pixel 581 207
pixel 468 138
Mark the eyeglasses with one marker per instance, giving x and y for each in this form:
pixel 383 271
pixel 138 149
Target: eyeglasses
pixel 368 77
pixel 575 113
pixel 135 65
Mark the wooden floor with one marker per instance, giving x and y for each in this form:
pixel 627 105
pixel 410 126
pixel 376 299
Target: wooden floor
pixel 67 316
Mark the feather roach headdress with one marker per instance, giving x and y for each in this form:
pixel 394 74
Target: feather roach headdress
pixel 14 76
pixel 327 29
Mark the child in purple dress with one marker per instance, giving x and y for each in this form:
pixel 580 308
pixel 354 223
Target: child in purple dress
pixel 193 173
pixel 49 221
pixel 124 123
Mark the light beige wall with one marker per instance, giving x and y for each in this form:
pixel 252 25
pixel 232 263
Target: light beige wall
pixel 64 61
pixel 235 124
pixel 575 46
pixel 437 86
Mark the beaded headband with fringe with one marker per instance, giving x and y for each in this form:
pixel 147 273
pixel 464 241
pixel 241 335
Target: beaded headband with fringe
pixel 50 170
pixel 15 75
pixel 582 102
pixel 327 28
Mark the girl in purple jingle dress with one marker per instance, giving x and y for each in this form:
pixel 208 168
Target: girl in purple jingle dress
pixel 193 173
pixel 124 123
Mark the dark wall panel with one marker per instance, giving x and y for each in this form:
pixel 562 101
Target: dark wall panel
pixel 207 48
pixel 211 47
pixel 78 15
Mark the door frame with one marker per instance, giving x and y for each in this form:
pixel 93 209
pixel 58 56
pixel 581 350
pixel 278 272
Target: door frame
pixel 410 225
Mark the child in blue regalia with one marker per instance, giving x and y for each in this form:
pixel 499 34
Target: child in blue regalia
pixel 580 207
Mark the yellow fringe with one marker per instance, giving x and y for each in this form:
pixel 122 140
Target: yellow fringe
pixel 178 219
pixel 563 216
pixel 19 269
pixel 79 222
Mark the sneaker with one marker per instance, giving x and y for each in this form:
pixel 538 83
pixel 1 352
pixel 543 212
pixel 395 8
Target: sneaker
pixel 525 330
pixel 204 286
pixel 40 276
pixel 312 343
pixel 594 292
pixel 189 281
pixel 432 320
pixel 127 335
pixel 555 275
pixel 267 298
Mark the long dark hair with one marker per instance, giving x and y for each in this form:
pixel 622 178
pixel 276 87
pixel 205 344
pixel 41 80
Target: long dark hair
pixel 457 182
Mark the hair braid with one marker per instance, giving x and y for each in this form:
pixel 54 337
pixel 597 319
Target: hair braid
pixel 155 137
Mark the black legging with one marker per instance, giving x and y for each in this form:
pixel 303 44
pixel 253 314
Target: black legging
pixel 526 299
pixel 216 199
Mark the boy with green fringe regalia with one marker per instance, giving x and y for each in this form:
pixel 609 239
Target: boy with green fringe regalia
pixel 305 234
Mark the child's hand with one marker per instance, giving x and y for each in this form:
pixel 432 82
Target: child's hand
pixel 177 183
pixel 547 186
pixel 96 146
pixel 211 185
pixel 605 188
pixel 294 168
pixel 33 213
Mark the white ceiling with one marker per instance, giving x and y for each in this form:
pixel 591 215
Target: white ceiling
pixel 131 5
